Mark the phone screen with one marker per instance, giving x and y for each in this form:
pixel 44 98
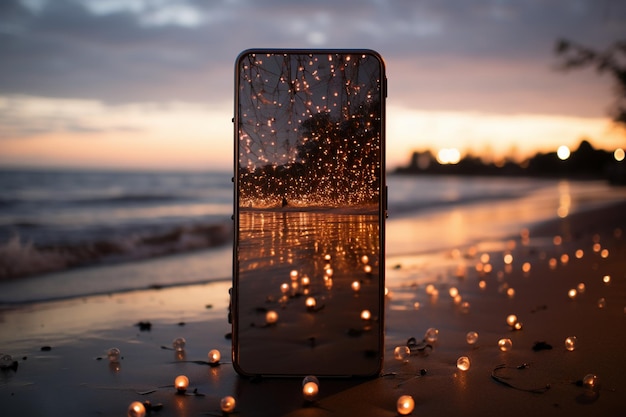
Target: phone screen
pixel 308 275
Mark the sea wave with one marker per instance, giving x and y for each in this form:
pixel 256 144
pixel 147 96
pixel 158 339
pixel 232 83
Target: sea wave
pixel 19 258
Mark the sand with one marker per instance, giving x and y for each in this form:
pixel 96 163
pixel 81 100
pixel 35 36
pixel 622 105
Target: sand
pixel 72 375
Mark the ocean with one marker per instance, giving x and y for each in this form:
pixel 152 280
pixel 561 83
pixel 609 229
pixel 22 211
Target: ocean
pixel 67 233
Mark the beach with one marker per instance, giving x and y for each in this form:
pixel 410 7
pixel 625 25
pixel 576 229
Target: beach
pixel 516 256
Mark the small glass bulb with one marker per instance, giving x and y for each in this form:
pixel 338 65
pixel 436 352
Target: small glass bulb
pixel 214 356
pixel 114 355
pixel 570 343
pixel 505 344
pixel 471 338
pixel 271 317
pixel 227 404
pixel 310 387
pixel 136 409
pixel 179 344
pixel 402 353
pixel 511 319
pixel 310 303
pixel 591 381
pixel 405 405
pixel 463 363
pixel 181 383
pixel 431 335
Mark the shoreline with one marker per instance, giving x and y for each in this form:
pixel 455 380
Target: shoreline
pixel 80 330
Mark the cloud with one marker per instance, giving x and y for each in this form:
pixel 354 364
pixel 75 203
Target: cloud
pixel 451 54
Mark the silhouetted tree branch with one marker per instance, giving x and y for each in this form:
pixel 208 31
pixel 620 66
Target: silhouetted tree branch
pixel 612 61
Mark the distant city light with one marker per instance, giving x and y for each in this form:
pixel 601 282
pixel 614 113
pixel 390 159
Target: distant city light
pixel 563 152
pixel 619 154
pixel 448 156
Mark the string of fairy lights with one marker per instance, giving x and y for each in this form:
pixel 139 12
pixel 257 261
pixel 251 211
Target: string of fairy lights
pixel 309 129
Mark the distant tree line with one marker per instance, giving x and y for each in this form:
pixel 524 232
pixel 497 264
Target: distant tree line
pixel 583 163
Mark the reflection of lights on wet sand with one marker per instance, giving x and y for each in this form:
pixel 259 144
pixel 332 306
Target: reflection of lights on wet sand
pixel 294 275
pixel 591 381
pixel 305 281
pixel 570 343
pixel 572 293
pixel 365 259
pixel 181 383
pixel 510 292
pixel 604 253
pixel 579 254
pixel 564 259
pixel 482 284
pixel 602 302
pixel 356 286
pixel 284 288
pixel 508 259
pixel 366 315
pixel 416 305
pixel 606 279
pixel 367 269
pixel 453 291
pixel 581 287
pixel 526 267
pixel 552 263
pixel 557 240
pixel 136 409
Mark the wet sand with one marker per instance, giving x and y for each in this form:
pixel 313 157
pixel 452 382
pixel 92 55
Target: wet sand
pixel 74 376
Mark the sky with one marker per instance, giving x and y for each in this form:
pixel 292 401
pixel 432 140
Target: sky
pixel 149 84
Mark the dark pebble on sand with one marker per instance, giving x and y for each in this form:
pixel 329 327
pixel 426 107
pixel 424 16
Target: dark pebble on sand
pixel 46 348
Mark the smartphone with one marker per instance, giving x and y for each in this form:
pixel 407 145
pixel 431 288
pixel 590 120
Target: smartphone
pixel 309 213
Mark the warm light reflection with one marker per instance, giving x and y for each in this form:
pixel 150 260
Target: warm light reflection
pixel 405 405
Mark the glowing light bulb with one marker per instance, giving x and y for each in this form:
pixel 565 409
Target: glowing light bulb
pixel 579 253
pixel 471 338
pixel 365 259
pixel 214 356
pixel 310 303
pixel 294 275
pixel 602 302
pixel 181 383
pixel 136 409
pixel 510 292
pixel 306 281
pixel 227 404
pixel 416 305
pixel 430 289
pixel 581 287
pixel 591 381
pixel 114 355
pixel 606 279
pixel 526 267
pixel 179 344
pixel 271 317
pixel 453 291
pixel 570 343
pixel 518 325
pixel 463 363
pixel 465 307
pixel 284 288
pixel 366 315
pixel 310 388
pixel 482 284
pixel 505 345
pixel 572 293
pixel 356 286
pixel 405 405
pixel 511 319
pixel 431 335
pixel 367 269
pixel 402 353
